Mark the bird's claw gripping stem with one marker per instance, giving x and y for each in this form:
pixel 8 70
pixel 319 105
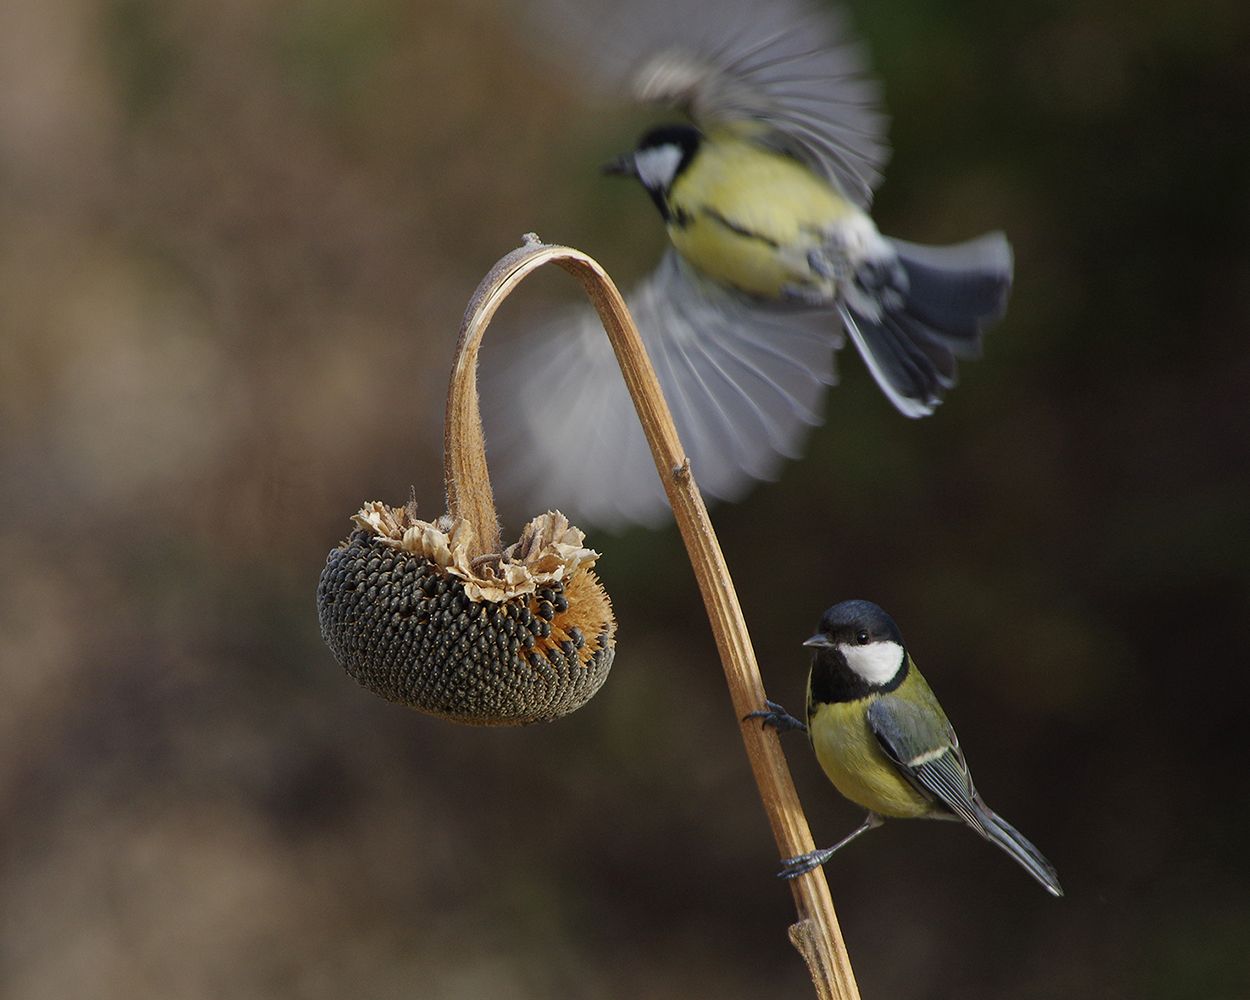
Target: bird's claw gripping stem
pixel 777 717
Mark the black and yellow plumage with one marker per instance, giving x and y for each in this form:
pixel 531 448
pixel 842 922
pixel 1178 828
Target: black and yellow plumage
pixel 884 742
pixel 764 190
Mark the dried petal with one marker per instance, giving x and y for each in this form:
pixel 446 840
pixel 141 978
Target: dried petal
pixel 550 550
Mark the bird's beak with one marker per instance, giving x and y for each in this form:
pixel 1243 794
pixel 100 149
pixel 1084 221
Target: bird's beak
pixel 819 640
pixel 621 166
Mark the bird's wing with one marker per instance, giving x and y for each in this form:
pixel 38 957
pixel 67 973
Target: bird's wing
pixel 923 746
pixel 785 74
pixel 744 383
pixel 917 738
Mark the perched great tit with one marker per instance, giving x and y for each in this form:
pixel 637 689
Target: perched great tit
pixel 883 740
pixel 764 191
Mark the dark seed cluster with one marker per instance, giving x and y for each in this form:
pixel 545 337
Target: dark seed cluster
pixel 408 632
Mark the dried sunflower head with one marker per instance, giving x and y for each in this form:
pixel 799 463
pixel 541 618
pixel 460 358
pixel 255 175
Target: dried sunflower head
pixel 523 635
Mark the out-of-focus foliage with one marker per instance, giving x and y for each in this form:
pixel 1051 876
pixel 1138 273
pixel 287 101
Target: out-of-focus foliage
pixel 235 243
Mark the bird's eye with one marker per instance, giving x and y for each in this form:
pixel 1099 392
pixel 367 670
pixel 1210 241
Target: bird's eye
pixel 861 637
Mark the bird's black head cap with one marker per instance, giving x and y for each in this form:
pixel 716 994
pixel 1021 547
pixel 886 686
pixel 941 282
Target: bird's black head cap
pixel 658 160
pixel 685 137
pixel 846 622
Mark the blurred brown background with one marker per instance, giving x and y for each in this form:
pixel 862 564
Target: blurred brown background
pixel 236 240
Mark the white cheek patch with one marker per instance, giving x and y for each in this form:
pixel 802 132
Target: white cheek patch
pixel 657 165
pixel 876 663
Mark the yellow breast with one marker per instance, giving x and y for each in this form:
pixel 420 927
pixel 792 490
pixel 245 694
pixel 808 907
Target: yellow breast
pixel 852 759
pixel 747 217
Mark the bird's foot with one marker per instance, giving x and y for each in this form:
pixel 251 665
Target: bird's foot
pixel 804 863
pixel 777 717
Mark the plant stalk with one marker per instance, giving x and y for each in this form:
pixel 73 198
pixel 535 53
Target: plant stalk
pixel 465 475
pixel 816 934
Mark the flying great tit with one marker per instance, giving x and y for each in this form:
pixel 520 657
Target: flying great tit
pixel 764 192
pixel 883 740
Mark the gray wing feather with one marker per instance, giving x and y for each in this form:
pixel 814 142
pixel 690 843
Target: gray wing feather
pixel 908 733
pixel 787 69
pixel 745 383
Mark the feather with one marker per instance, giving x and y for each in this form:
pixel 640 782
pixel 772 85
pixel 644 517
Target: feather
pixel 788 72
pixel 744 381
pixel 938 769
pixel 932 308
pixel 744 376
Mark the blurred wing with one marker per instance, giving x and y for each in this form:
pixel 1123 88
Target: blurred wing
pixel 924 748
pixel 744 383
pixel 785 74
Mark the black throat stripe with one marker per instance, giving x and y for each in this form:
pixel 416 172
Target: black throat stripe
pixel 833 681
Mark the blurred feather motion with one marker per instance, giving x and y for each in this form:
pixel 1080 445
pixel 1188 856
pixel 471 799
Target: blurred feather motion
pixel 764 198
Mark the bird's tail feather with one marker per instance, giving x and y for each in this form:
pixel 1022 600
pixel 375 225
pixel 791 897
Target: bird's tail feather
pixel 998 831
pixel 929 310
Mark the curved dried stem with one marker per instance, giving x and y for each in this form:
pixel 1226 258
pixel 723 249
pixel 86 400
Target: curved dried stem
pixel 816 934
pixel 465 476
